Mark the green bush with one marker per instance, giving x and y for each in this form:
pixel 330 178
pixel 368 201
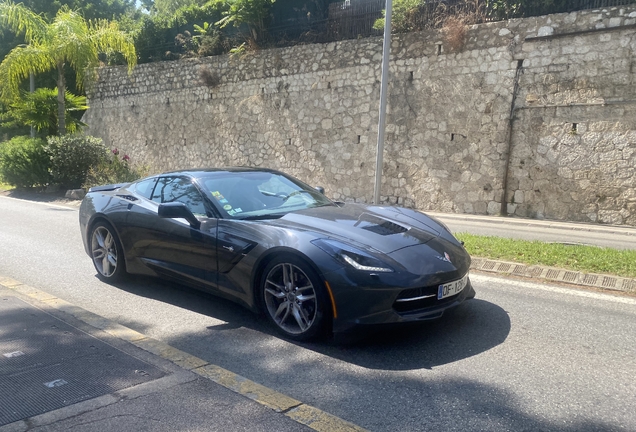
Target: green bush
pixel 24 162
pixel 160 36
pixel 404 16
pixel 72 156
pixel 113 169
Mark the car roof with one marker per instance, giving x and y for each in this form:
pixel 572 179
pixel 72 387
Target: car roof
pixel 203 172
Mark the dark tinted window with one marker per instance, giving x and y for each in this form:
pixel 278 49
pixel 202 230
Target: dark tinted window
pixel 144 187
pixel 178 189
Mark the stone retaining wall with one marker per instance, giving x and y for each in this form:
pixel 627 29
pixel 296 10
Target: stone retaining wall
pixel 312 111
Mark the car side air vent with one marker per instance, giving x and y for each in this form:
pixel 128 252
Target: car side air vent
pixel 127 197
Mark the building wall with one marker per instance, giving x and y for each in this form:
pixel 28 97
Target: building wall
pixel 312 111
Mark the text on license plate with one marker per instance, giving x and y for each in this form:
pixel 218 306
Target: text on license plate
pixel 451 288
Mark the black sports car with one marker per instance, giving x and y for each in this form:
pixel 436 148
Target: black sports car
pixel 272 243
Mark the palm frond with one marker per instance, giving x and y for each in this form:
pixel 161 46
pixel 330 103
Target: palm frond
pixel 107 38
pixel 21 19
pixel 68 40
pixel 17 66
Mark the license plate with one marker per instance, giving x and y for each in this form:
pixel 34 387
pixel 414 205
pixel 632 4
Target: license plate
pixel 452 288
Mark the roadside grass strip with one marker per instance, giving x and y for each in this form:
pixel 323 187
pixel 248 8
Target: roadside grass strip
pixel 586 259
pixel 307 415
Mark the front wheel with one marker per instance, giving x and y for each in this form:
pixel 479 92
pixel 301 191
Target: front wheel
pixel 106 252
pixel 294 298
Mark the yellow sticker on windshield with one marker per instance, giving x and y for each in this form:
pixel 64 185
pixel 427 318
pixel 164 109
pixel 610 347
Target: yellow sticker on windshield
pixel 227 207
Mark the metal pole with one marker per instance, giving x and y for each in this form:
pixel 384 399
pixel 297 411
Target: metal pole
pixel 32 89
pixel 386 49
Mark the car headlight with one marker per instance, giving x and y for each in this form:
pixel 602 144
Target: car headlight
pixel 356 258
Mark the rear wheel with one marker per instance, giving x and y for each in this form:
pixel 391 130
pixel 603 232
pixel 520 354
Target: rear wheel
pixel 106 252
pixel 294 299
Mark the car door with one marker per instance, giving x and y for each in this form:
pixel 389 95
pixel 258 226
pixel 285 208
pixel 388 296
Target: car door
pixel 235 241
pixel 172 247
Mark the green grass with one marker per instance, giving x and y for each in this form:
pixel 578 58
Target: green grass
pixel 587 259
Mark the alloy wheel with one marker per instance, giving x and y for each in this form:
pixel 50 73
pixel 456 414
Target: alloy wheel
pixel 104 251
pixel 290 298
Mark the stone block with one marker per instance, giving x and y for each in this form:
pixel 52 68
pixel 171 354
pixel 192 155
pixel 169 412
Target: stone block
pixel 75 194
pixel 545 31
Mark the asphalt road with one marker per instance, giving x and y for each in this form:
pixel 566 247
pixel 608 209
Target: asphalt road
pixel 521 356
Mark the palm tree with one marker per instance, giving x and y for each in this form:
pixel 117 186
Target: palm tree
pixel 69 39
pixel 39 110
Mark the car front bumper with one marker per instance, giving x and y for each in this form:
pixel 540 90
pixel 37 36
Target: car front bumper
pixel 373 305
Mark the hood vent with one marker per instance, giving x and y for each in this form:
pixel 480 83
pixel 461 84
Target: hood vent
pixel 386 228
pixel 379 225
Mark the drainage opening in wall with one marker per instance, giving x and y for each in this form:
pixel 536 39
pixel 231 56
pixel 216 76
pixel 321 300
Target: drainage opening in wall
pixel 574 128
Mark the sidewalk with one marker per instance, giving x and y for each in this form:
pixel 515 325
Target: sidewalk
pixel 64 368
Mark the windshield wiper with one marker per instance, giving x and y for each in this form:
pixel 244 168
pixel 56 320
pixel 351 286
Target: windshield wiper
pixel 263 216
pixel 301 191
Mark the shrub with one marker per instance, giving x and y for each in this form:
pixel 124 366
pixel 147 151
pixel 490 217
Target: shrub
pixel 72 156
pixel 24 162
pixel 454 32
pixel 156 38
pixel 113 169
pixel 404 16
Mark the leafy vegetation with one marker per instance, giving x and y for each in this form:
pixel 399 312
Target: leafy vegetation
pixel 24 162
pixel 68 39
pixel 90 9
pixel 251 13
pixel 72 156
pixel 113 169
pixel 71 161
pixel 39 109
pixel 588 259
pixel 404 13
pixel 169 37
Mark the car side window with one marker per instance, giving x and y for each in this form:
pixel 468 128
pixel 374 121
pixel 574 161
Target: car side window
pixel 179 189
pixel 145 187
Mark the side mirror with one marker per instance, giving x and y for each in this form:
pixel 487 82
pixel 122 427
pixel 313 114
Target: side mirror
pixel 176 210
pixel 320 189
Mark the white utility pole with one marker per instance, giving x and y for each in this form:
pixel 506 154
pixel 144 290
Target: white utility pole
pixel 384 84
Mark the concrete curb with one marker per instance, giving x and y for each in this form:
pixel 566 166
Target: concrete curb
pixel 298 411
pixel 553 274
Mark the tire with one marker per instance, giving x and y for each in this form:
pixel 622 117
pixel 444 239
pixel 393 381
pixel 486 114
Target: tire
pixel 294 299
pixel 106 252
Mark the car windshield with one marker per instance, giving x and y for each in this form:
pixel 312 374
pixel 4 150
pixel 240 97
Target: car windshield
pixel 260 195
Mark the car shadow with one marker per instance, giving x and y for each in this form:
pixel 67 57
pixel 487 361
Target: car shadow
pixel 470 329
pixel 473 327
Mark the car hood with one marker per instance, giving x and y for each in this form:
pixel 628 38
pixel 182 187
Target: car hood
pixel 385 229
